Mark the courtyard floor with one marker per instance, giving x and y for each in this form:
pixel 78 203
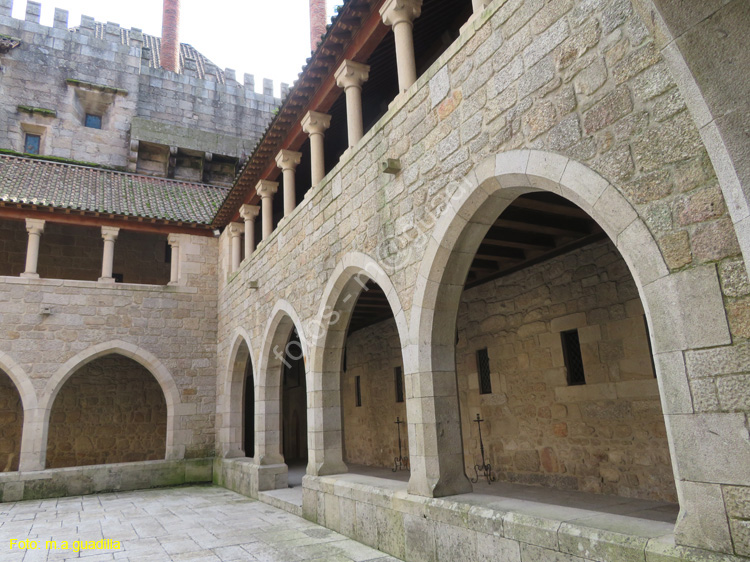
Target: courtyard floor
pixel 190 523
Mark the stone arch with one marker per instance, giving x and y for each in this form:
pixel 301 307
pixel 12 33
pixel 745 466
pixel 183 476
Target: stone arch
pixel 328 334
pixel 684 310
pixel 175 448
pixel 27 394
pixel 230 404
pixel 283 320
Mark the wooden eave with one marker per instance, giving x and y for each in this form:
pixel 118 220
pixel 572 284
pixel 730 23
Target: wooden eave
pixel 21 211
pixel 355 34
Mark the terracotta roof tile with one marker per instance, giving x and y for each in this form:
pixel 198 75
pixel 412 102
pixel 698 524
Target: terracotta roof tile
pixel 67 186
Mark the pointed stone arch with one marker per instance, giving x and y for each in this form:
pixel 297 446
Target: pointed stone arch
pixel 175 447
pixel 26 391
pixel 684 311
pixel 229 403
pixel 328 337
pixel 283 320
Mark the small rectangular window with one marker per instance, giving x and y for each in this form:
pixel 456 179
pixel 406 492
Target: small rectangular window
pixel 358 391
pixel 399 377
pixel 32 144
pixel 483 368
pixel 572 356
pixel 93 121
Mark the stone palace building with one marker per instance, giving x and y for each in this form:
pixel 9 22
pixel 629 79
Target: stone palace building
pixel 474 288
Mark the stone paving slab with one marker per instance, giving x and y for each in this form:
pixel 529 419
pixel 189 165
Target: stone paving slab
pixel 195 523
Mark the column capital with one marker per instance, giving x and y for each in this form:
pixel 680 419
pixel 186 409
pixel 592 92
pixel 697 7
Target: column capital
pixel 249 212
pixel 235 229
pixel 173 239
pixel 288 159
pixel 397 11
pixel 34 226
pixel 352 73
pixel 266 188
pixel 315 122
pixel 110 233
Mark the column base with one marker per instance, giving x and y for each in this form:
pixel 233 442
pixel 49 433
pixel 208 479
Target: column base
pixel 106 280
pixel 30 275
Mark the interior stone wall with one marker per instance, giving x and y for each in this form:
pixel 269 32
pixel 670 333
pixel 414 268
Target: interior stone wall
pixel 607 436
pixel 111 410
pixel 11 424
pixel 75 252
pixel 370 436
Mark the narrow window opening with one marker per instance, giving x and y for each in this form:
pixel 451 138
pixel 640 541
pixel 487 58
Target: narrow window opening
pixel 399 376
pixel 32 144
pixel 358 391
pixel 93 121
pixel 167 253
pixel 483 368
pixel 572 355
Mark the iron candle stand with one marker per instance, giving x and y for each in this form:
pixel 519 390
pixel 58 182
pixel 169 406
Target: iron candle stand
pixel 485 467
pixel 400 462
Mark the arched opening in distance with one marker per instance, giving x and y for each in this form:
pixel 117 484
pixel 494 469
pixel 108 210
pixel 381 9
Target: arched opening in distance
pixel 11 424
pixel 294 403
pixel 110 410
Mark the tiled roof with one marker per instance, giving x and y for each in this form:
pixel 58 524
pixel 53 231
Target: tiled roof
pixel 66 186
pixel 154 43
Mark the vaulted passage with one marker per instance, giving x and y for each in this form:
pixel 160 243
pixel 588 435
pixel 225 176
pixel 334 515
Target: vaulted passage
pixel 111 410
pixel 11 424
pixel 248 411
pixel 372 385
pixel 553 355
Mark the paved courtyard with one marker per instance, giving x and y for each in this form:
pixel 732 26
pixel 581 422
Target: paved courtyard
pixel 191 523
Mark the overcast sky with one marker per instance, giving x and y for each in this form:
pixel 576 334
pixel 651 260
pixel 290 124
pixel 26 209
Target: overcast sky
pixel 267 38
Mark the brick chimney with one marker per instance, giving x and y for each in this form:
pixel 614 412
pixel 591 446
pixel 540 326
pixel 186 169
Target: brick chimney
pixel 317 22
pixel 170 35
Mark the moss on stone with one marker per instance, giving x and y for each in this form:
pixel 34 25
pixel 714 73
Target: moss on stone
pixel 38 110
pixel 100 87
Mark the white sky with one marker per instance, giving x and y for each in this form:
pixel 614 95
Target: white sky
pixel 267 38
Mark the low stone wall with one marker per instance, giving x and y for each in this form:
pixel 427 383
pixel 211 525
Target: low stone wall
pixel 473 527
pixel 243 476
pixel 76 481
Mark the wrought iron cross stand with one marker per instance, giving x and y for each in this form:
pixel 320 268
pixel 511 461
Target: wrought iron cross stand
pixel 400 462
pixel 485 467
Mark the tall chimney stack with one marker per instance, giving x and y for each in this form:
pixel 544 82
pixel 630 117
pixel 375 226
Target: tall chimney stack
pixel 317 22
pixel 170 35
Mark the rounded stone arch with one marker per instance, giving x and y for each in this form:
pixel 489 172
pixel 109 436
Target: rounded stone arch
pixel 328 337
pixel 175 448
pixel 229 403
pixel 282 320
pixel 684 310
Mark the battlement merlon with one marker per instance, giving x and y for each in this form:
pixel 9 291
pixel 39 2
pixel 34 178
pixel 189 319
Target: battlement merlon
pixel 33 11
pixel 6 8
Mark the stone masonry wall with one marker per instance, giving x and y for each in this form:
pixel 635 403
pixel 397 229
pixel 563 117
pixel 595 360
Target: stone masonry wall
pixel 176 324
pixel 579 79
pixel 606 436
pixel 370 436
pixel 111 410
pixel 11 422
pixel 171 109
pixel 75 252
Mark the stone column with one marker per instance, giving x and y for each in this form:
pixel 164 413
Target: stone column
pixel 235 231
pixel 174 242
pixel 400 14
pixel 266 189
pixel 249 213
pixel 350 76
pixel 109 233
pixel 315 125
pixel 288 160
pixel 34 227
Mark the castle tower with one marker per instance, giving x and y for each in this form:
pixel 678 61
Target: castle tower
pixel 170 35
